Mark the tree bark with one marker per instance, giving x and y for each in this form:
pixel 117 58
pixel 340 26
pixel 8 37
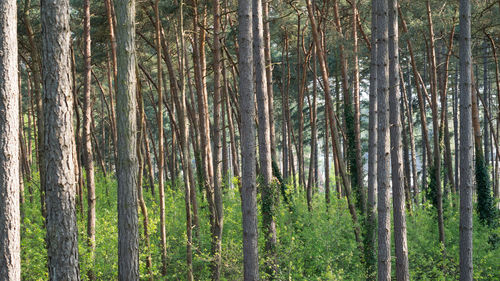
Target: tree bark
pixel 466 144
pixel 435 128
pixel 10 217
pixel 384 221
pixel 398 191
pixel 87 141
pixel 161 188
pixel 62 231
pixel 371 219
pixel 218 217
pixel 128 238
pixel 247 109
pixel 264 137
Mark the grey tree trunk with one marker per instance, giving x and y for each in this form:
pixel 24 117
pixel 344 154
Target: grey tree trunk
pixel 371 220
pixel 184 135
pixel 456 130
pixel 247 109
pixel 384 220
pixel 161 155
pixel 219 210
pixel 10 219
pixel 398 191
pixel 87 141
pixel 269 77
pixel 466 145
pixel 60 180
pixel 127 164
pixel 264 136
pixel 486 95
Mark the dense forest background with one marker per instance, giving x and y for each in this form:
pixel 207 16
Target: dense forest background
pixel 280 140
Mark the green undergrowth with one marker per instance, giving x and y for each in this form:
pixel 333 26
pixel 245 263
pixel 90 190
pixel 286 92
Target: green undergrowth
pixel 311 246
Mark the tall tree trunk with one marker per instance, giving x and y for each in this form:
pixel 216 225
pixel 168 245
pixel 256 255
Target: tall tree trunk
pixel 87 141
pixel 36 67
pixel 357 113
pixel 247 109
pixel 466 162
pixel 384 221
pixel 78 138
pixel 110 13
pixel 327 162
pixel 371 219
pixel 184 131
pixel 218 217
pixel 62 231
pixel 456 130
pixel 264 138
pixel 311 181
pixel 409 112
pixel 486 93
pixel 161 188
pixel 269 76
pixel 398 191
pixel 140 156
pixel 10 216
pixel 128 237
pixel 436 167
pixel 284 87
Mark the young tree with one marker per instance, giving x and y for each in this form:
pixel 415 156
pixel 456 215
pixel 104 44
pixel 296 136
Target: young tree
pixel 466 163
pixel 128 237
pixel 247 109
pixel 10 220
pixel 62 242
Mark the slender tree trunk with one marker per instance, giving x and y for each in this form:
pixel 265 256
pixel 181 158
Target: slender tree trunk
pixel 435 128
pixel 371 218
pixel 161 188
pixel 486 92
pixel 78 139
pixel 219 210
pixel 398 191
pixel 36 67
pixel 384 221
pixel 247 109
pixel 269 76
pixel 62 231
pixel 112 24
pixel 406 149
pixel 184 130
pixel 87 120
pixel 142 204
pixel 284 127
pixel 264 138
pixel 408 106
pixel 128 237
pixel 327 162
pixel 466 162
pixel 456 131
pixel 357 113
pixel 10 217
